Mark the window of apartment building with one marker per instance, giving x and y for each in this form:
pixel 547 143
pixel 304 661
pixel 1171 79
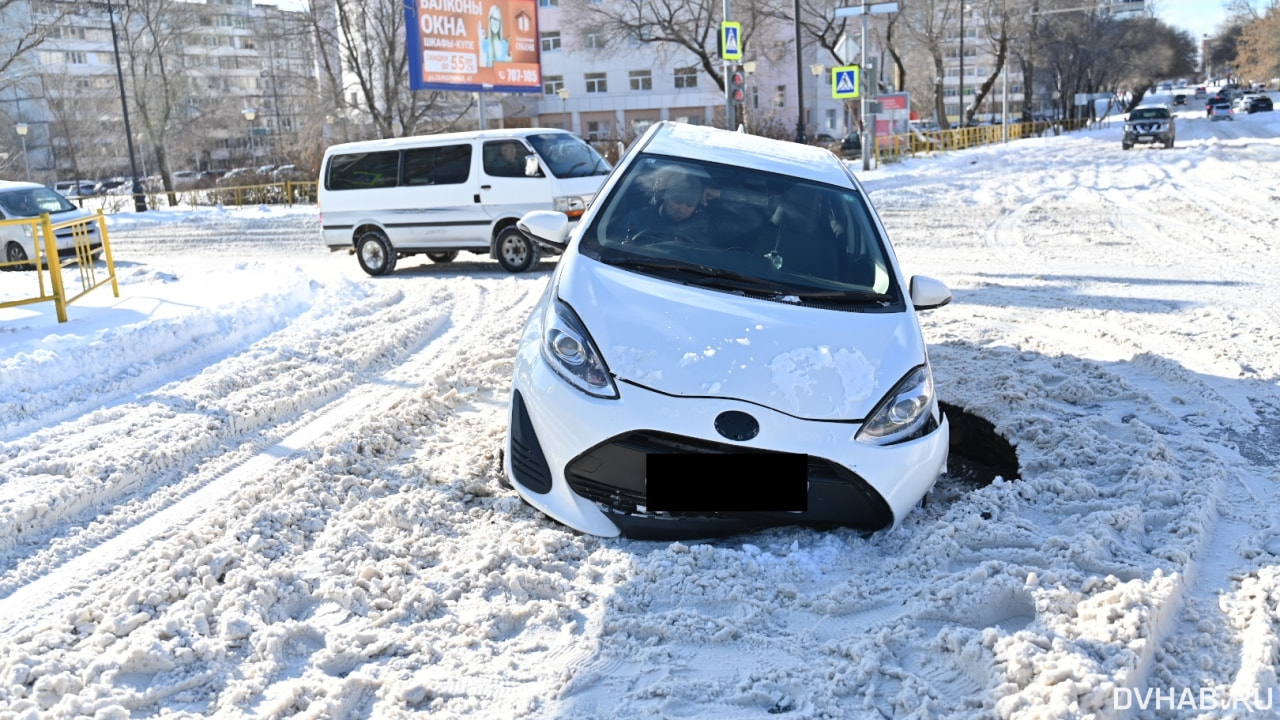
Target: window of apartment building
pixel 552 84
pixel 686 78
pixel 550 41
pixel 598 129
pixel 548 3
pixel 228 63
pixel 641 79
pixel 75 58
pixel 597 83
pixel 780 96
pixel 209 40
pixel 594 40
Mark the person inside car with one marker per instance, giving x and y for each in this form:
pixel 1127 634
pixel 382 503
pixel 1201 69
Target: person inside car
pixel 673 211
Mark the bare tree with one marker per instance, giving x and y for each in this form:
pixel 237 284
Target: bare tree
pixel 152 35
pixel 1259 49
pixel 371 41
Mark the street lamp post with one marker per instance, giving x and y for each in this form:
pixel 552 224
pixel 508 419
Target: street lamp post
pixel 963 10
pixel 564 105
pixel 818 71
pixel 22 133
pixel 250 114
pixel 139 199
pixel 869 83
pixel 748 67
pixel 800 136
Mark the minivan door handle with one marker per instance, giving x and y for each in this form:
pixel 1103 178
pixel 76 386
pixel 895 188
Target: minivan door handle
pixel 486 187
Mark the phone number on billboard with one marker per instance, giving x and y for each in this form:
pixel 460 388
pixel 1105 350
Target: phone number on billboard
pixel 443 62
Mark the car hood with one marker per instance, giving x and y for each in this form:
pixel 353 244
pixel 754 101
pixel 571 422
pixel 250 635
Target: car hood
pixel 692 342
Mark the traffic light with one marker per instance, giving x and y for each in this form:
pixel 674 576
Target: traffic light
pixel 737 86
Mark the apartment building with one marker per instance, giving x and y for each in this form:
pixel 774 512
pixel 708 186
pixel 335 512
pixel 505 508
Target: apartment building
pixel 222 57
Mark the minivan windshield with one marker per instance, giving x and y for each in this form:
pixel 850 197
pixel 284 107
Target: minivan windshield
pixel 569 156
pixel 746 231
pixel 33 202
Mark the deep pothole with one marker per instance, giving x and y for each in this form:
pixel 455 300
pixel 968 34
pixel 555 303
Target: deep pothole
pixel 978 454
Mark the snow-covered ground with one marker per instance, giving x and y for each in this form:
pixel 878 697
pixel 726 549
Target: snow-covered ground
pixel 262 484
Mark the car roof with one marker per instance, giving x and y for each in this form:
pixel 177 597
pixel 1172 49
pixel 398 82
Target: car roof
pixel 6 185
pixel 701 142
pixel 441 138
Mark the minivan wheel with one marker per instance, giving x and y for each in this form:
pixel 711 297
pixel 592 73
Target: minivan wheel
pixel 375 253
pixel 442 257
pixel 14 253
pixel 516 253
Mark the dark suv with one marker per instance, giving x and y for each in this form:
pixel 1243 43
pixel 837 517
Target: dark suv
pixel 1152 124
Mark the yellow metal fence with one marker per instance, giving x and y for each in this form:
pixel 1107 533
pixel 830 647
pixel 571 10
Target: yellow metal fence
pixel 919 142
pixel 47 258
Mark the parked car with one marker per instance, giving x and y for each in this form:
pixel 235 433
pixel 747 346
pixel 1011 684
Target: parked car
pixel 1149 124
pixel 758 362
pixel 289 172
pixel 239 176
pixel 24 200
pixel 1220 111
pixel 76 188
pixel 851 146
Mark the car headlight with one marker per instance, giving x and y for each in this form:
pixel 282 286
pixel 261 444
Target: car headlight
pixel 571 205
pixel 906 413
pixel 569 350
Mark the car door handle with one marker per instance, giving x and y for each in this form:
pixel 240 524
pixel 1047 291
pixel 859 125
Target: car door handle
pixel 486 187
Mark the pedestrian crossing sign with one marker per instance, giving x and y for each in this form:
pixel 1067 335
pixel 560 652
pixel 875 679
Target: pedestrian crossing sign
pixel 730 41
pixel 844 82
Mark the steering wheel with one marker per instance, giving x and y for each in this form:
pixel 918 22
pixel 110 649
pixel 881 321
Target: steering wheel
pixel 652 237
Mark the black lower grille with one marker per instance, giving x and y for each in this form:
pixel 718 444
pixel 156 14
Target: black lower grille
pixel 613 475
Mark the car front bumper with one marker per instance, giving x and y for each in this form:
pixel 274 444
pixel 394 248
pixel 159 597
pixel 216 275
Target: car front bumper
pixel 580 459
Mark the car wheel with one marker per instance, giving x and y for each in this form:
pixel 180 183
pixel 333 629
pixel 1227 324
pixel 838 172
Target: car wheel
pixel 1126 146
pixel 515 252
pixel 375 253
pixel 1168 143
pixel 13 253
pixel 442 257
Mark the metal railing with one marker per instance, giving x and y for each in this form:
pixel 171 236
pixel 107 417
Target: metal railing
pixel 919 142
pixel 47 257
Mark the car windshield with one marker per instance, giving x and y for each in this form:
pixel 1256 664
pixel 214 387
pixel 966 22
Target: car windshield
pixel 1149 114
pixel 744 231
pixel 32 202
pixel 569 156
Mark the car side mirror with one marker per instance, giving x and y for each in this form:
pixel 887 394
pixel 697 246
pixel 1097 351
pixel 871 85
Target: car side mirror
pixel 549 226
pixel 928 294
pixel 531 168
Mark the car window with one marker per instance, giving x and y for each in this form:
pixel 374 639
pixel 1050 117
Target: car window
pixel 505 158
pixel 568 156
pixel 445 165
pixel 31 202
pixel 356 171
pixel 785 232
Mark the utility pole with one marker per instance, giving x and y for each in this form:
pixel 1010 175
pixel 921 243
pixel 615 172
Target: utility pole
pixel 868 136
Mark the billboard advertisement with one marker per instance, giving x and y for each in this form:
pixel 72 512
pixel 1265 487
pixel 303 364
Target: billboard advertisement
pixel 473 45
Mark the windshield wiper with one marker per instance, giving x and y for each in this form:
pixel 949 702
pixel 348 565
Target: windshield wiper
pixel 706 275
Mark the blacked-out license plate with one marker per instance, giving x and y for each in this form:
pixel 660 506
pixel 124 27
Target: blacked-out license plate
pixel 737 482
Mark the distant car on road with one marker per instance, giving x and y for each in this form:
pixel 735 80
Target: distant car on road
pixel 1220 111
pixel 1149 124
pixel 1180 99
pixel 1216 101
pixel 1260 103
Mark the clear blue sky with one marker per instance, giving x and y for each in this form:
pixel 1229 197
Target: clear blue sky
pixel 1198 17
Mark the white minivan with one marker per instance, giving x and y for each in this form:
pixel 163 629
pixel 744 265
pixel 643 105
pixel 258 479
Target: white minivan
pixel 441 194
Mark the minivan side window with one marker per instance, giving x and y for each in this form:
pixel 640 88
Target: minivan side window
pixel 361 171
pixel 505 158
pixel 446 165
